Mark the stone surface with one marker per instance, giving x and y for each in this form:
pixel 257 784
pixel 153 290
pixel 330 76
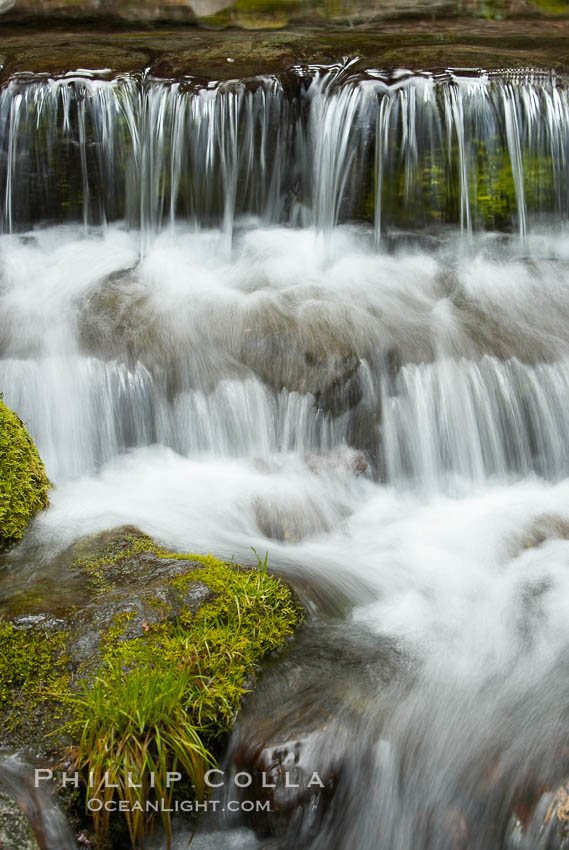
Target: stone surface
pixel 57 47
pixel 139 586
pixel 305 717
pixel 122 595
pixel 15 830
pixel 548 828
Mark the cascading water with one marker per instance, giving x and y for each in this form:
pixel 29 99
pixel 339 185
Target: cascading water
pixel 312 148
pixel 325 315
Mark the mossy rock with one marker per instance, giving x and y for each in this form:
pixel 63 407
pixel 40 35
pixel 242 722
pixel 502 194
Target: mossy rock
pixel 24 484
pixel 15 830
pixel 171 639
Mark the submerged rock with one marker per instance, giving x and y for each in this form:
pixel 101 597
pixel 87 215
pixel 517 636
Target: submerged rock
pixel 289 523
pixel 306 729
pixel 343 461
pixel 291 517
pixel 558 814
pixel 321 364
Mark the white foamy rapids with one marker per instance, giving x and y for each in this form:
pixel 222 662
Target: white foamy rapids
pixel 448 572
pixel 475 589
pixel 436 366
pixel 226 401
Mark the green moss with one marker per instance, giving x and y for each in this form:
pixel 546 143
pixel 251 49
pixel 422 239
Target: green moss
pixel 220 19
pixel 23 483
pixel 261 14
pixel 187 673
pixel 251 614
pixel 33 673
pixel 551 8
pixel 493 10
pixel 430 193
pixel 264 13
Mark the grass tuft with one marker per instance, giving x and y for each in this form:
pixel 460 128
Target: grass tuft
pixel 131 741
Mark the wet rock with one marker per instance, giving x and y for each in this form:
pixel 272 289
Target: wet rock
pixel 548 828
pixel 291 518
pixel 544 527
pixel 300 734
pixel 332 378
pixel 15 830
pixel 557 816
pixel 286 352
pixel 285 777
pixel 88 625
pixel 116 320
pixel 266 14
pixel 364 434
pixel 289 523
pixel 364 430
pixel 342 461
pixel 393 362
pixel 447 830
pixel 138 588
pixel 302 351
pixel 38 805
pixel 203 54
pixel 338 379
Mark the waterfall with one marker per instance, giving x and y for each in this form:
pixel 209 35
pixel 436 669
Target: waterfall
pixel 325 314
pixel 482 151
pixel 477 420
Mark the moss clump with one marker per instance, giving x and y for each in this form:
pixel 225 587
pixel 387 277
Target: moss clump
pixel 33 669
pixel 23 483
pixel 161 701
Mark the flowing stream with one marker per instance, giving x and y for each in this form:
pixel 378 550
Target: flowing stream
pixel 324 315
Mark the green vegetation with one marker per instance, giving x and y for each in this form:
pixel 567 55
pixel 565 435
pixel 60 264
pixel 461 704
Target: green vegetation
pixel 32 671
pixel 431 191
pixel 551 8
pixel 161 681
pixel 263 14
pixel 23 483
pixel 158 687
pixel 133 737
pixel 159 701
